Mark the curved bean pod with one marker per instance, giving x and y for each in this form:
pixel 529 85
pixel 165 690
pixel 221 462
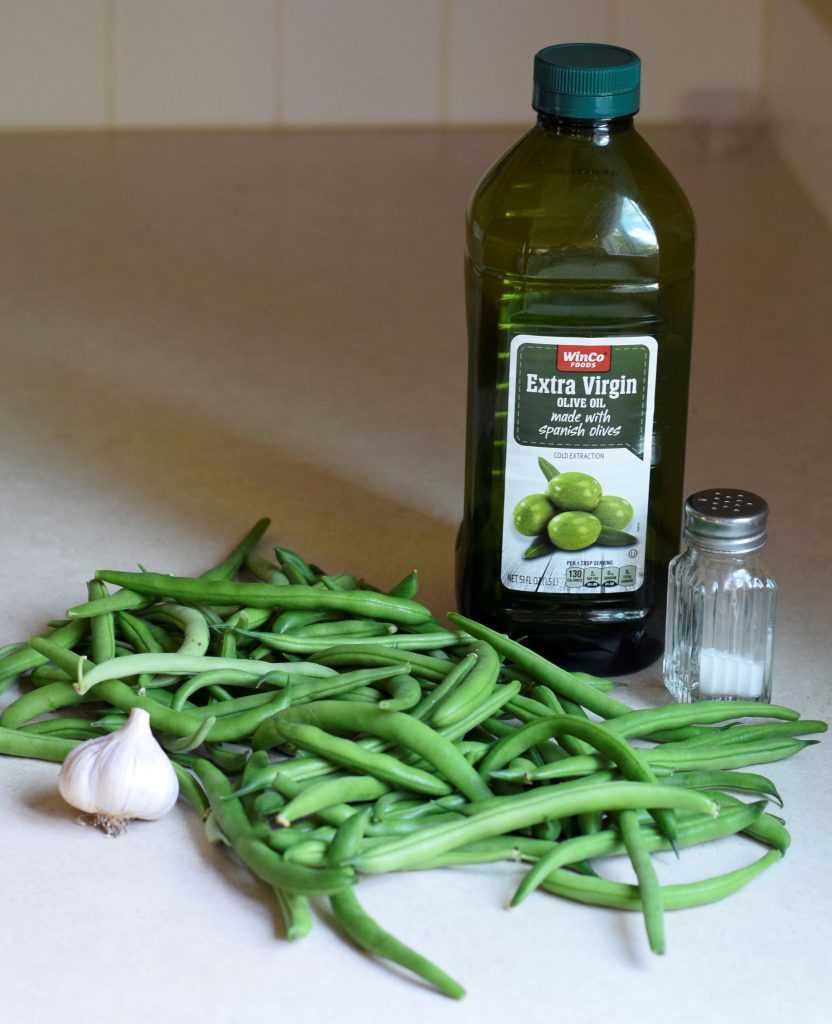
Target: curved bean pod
pixel 360 603
pixel 365 932
pixel 349 754
pixel 345 790
pixel 618 750
pixel 27 658
pixel 391 726
pixel 177 665
pixel 609 842
pixel 367 655
pixel 562 682
pixel 41 748
pixel 405 693
pixel 523 811
pixel 620 896
pixel 476 687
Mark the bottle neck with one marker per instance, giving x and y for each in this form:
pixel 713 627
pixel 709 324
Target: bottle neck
pixel 599 131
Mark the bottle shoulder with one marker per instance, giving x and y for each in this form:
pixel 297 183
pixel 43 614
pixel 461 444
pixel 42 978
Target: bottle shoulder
pixel 551 194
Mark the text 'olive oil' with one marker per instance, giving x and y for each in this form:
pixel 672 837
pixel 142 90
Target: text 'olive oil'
pixel 579 278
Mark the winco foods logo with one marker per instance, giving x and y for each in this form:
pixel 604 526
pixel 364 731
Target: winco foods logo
pixel 584 359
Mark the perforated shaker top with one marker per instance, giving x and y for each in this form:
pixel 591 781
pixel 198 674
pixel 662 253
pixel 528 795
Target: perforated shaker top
pixel 726 519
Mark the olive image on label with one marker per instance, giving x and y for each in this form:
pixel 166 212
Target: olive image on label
pixel 573 514
pixel 614 512
pixel 575 492
pixel 573 531
pixel 532 514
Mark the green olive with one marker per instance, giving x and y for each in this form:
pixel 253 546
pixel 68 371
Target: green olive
pixel 531 514
pixel 614 512
pixel 575 492
pixel 572 531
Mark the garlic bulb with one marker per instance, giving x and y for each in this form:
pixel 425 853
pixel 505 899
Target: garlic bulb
pixel 120 776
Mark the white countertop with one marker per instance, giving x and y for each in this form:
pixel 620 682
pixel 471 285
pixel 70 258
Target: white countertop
pixel 199 329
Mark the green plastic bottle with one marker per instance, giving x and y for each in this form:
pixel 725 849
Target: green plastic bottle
pixel 579 280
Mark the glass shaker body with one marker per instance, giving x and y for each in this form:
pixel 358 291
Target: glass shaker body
pixel 720 615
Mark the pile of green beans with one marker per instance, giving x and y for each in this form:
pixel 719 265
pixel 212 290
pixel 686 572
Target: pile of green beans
pixel 325 728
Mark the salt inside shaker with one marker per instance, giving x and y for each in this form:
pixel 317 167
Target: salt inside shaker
pixel 721 601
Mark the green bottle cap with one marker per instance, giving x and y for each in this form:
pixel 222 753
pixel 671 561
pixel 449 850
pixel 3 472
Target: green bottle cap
pixel 586 81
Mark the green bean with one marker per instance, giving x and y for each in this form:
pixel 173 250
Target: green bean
pixel 748 782
pixel 405 693
pixel 765 829
pixel 14 743
pixel 453 679
pixel 570 744
pixel 183 744
pixel 490 706
pixel 265 570
pixel 475 688
pixel 738 733
pixel 601 892
pixel 295 619
pixel 235 559
pixel 222 709
pixel 294 643
pixel 128 599
pixel 47 726
pixel 19 645
pixel 138 633
pixel 389 800
pixel 391 726
pixel 407 587
pixel 196 634
pixel 335 814
pixel 367 655
pixel 15 664
pixel 523 811
pixel 347 841
pixel 266 805
pixel 102 627
pixel 311 853
pixel 649 890
pixel 343 581
pixel 557 679
pixel 190 791
pixel 725 757
pixel 345 790
pixel 264 862
pixel 30 705
pixel 360 603
pixel 606 742
pixel 177 664
pixel 643 723
pixel 364 628
pixel 45 674
pixel 605 685
pixel 294 567
pixel 369 935
pixel 295 911
pixel 347 753
pixel 223 677
pixel 692 832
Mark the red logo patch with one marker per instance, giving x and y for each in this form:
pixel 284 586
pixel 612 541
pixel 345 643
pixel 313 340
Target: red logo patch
pixel 584 358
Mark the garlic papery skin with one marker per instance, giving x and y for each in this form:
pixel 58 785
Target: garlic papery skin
pixel 121 776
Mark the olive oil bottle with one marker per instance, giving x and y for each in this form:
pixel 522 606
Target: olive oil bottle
pixel 579 284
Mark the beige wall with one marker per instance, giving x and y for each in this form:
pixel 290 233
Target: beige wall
pixel 798 87
pixel 96 63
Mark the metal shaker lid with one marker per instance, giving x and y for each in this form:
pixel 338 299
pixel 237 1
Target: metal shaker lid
pixel 726 519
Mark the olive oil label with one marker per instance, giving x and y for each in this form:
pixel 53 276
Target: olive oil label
pixel 578 457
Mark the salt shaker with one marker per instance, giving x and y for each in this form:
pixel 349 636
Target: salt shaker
pixel 721 601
